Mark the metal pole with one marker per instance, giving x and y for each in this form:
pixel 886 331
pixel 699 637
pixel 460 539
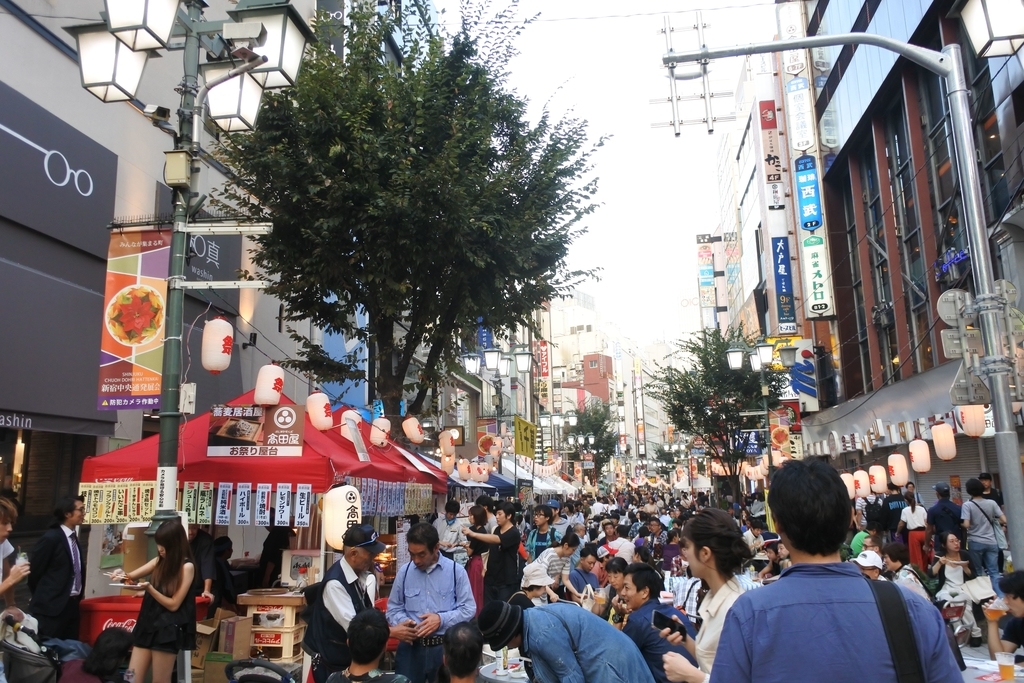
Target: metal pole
pixel 990 305
pixel 189 121
pixel 170 417
pixel 949 65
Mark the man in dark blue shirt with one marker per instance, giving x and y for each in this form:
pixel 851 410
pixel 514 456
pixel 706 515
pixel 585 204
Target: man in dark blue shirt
pixel 640 590
pixel 821 615
pixel 943 516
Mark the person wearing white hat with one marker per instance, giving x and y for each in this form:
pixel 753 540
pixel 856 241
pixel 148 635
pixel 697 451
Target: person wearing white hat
pixel 536 583
pixel 871 565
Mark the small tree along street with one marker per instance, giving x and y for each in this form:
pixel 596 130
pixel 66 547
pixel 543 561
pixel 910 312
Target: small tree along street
pixel 417 194
pixel 707 399
pixel 593 417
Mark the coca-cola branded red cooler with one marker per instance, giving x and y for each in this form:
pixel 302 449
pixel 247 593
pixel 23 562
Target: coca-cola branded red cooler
pixel 117 610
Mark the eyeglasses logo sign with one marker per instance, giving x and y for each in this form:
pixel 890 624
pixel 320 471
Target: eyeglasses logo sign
pixel 52 160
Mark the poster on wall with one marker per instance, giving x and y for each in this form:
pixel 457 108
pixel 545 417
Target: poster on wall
pixel 243 504
pixel 223 515
pixel 134 306
pixel 263 505
pixel 303 504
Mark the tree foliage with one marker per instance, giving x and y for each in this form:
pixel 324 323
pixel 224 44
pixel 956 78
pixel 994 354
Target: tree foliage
pixel 416 193
pixel 594 417
pixel 707 399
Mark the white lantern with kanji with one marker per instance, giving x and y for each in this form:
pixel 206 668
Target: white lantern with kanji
pixel 463 469
pixel 318 407
pixel 479 472
pixel 851 487
pixel 448 463
pixel 944 441
pixel 269 385
pixel 352 416
pixel 861 483
pixel 876 475
pixel 972 419
pixel 921 459
pixel 218 340
pixel 446 442
pixel 413 430
pixel 898 467
pixel 778 457
pixel 342 508
pixel 379 430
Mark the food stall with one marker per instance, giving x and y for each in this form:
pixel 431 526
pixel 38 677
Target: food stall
pixel 242 496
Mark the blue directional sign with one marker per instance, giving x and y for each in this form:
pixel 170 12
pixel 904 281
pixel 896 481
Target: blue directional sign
pixel 807 192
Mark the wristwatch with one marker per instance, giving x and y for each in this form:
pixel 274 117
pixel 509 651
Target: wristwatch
pixel 617 618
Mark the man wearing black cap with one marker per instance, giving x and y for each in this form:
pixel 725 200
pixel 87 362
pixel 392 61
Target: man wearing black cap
pixel 564 643
pixel 943 516
pixel 991 493
pixel 348 588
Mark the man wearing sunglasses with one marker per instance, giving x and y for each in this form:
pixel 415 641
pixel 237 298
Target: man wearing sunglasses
pixel 348 588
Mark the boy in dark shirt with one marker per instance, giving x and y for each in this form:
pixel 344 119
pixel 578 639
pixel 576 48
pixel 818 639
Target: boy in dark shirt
pixel 1012 586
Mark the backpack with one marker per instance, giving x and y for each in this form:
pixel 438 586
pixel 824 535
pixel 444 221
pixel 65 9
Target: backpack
pixel 874 511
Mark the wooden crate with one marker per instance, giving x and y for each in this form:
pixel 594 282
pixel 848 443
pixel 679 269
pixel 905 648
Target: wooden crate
pixel 277 644
pixel 259 606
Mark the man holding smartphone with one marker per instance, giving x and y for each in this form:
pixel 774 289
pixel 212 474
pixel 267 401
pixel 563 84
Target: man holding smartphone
pixel 640 591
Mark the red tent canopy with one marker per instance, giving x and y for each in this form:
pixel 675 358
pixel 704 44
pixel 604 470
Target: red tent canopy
pixel 324 455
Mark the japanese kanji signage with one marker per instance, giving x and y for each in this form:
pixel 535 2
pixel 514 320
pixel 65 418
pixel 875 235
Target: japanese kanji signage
pixel 771 150
pixel 275 431
pixel 808 194
pixel 132 340
pixel 801 114
pixel 526 437
pixel 817 276
pixel 784 302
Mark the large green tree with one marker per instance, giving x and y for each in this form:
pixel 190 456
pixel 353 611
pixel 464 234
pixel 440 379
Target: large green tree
pixel 417 193
pixel 594 418
pixel 705 398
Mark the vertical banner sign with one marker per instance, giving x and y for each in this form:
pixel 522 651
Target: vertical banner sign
pixel 303 504
pixel 525 437
pixel 121 509
pixel 801 113
pixel 223 514
pixel 283 506
pixel 243 504
pixel 808 194
pixel 190 501
pixel 706 275
pixel 134 305
pixel 263 504
pixel 148 499
pixel 785 306
pixel 772 162
pixel 204 509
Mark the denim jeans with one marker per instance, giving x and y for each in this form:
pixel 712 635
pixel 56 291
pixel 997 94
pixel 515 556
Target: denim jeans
pixel 419 663
pixel 986 561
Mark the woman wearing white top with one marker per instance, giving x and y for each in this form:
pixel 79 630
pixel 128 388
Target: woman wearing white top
pixel 913 518
pixel 716 551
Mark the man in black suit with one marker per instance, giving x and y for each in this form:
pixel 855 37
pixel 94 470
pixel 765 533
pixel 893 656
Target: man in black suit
pixel 57 580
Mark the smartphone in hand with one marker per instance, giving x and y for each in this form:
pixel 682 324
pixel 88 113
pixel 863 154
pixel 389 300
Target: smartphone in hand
pixel 660 621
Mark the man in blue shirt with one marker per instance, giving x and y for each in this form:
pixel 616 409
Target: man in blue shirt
pixel 640 590
pixel 430 595
pixel 582 575
pixel 564 644
pixel 820 620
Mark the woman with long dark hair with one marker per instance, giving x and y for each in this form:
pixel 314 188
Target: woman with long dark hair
pixel 912 520
pixel 716 552
pixel 954 568
pixel 167 620
pixel 476 549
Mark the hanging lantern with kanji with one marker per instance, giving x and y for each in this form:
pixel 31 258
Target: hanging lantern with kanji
pixel 269 385
pixel 413 430
pixel 898 468
pixel 318 407
pixel 218 341
pixel 379 430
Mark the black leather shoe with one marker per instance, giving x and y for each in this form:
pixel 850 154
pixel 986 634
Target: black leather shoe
pixel 975 641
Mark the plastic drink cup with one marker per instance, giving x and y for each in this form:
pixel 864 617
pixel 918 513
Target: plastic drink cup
pixel 22 559
pixel 995 609
pixel 1005 662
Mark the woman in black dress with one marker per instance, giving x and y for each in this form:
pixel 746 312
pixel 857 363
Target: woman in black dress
pixel 167 620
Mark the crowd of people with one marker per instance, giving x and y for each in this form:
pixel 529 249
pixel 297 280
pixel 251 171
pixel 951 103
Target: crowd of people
pixel 645 587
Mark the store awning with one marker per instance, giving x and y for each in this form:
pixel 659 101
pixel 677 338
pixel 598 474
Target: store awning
pixel 326 457
pixel 512 470
pixel 915 398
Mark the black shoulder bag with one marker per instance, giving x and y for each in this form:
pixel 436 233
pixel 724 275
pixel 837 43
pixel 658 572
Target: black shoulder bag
pixel 898 632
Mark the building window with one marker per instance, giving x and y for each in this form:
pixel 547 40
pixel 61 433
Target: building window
pixel 908 228
pixel 593 364
pixel 859 381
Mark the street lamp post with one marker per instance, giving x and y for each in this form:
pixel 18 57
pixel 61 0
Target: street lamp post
pixel 989 302
pixel 268 37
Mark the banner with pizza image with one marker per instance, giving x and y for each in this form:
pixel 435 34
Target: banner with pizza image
pixel 132 337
